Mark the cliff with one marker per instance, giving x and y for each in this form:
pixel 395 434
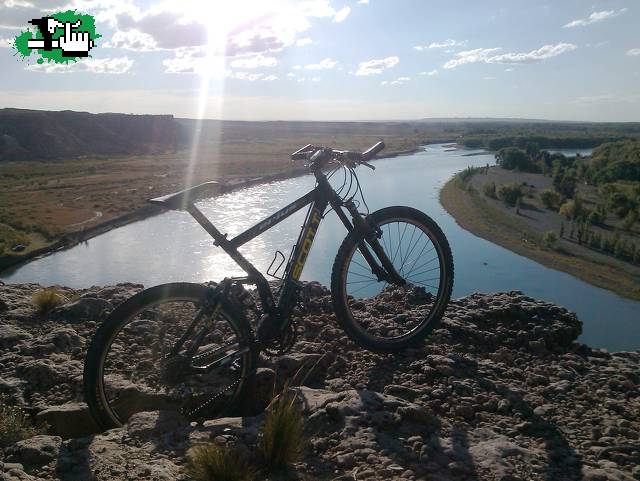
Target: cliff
pixel 45 135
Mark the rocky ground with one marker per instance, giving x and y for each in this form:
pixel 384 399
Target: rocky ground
pixel 501 391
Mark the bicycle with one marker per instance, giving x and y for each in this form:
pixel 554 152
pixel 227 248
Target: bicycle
pixel 189 347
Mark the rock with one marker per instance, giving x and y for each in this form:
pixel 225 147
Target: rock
pixel 481 398
pixel 11 335
pixel 147 425
pixel 36 451
pixel 610 474
pixel 538 346
pixel 71 420
pixel 83 309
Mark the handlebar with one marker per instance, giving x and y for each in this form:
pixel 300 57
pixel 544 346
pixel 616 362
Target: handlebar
pixel 318 156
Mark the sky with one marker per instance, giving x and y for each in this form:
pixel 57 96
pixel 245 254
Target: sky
pixel 338 60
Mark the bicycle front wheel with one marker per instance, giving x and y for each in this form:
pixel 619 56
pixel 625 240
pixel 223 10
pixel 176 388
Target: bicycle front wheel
pixel 384 317
pixel 130 366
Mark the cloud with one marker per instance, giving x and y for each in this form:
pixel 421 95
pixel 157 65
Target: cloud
pixel 449 43
pixel 430 73
pixel 489 55
pixel 398 81
pixel 132 40
pixel 190 60
pixel 270 78
pixel 5 42
pixel 17 14
pixel 251 27
pixel 168 30
pixel 251 77
pixel 326 64
pixel 595 17
pixel 470 56
pixel 117 65
pixel 341 14
pixel 633 52
pixel 376 66
pixel 303 41
pixel 363 2
pixel 254 61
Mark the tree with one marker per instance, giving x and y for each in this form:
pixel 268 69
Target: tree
pixel 489 189
pixel 561 229
pixel 512 158
pixel 510 193
pixel 565 184
pixel 549 238
pixel 550 198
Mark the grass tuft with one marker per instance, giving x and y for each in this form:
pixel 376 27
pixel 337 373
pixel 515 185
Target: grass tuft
pixel 14 425
pixel 47 299
pixel 212 462
pixel 282 441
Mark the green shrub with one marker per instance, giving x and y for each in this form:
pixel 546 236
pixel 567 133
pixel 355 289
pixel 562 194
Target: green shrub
pixel 282 442
pixel 551 199
pixel 211 462
pixel 630 219
pixel 489 189
pixel 549 238
pixel 510 193
pixel 596 218
pixel 47 299
pixel 465 176
pixel 572 209
pixel 14 425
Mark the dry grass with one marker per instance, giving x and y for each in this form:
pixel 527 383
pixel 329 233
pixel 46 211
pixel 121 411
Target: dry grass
pixel 45 300
pixel 14 425
pixel 212 462
pixel 282 440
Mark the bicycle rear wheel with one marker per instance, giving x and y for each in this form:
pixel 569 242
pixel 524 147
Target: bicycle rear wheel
pixel 130 368
pixel 383 317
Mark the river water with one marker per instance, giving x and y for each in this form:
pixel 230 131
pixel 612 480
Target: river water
pixel 172 247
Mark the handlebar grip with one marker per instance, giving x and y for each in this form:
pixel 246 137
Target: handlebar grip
pixel 372 151
pixel 302 154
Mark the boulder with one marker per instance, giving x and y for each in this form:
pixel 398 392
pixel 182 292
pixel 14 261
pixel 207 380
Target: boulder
pixel 11 335
pixel 153 424
pixel 36 451
pixel 83 309
pixel 71 420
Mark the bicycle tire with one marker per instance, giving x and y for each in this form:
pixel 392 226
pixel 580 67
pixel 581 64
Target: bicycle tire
pixel 93 376
pixel 339 274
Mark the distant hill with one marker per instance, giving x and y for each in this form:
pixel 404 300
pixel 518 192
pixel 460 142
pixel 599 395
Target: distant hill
pixel 44 135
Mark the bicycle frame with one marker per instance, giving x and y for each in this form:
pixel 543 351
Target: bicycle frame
pixel 318 199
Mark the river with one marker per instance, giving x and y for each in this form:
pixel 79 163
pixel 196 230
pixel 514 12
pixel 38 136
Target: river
pixel 172 247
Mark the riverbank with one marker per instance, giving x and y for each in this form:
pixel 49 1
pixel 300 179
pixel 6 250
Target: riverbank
pixel 501 390
pixel 73 238
pixel 473 212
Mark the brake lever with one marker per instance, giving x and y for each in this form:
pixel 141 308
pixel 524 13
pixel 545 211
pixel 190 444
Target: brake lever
pixel 372 167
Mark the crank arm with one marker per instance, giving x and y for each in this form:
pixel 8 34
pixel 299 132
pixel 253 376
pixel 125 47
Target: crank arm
pixel 220 362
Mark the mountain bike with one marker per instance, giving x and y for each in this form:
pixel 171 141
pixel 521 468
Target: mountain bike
pixel 190 347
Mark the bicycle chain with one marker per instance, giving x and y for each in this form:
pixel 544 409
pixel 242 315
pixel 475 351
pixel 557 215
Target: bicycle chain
pixel 210 400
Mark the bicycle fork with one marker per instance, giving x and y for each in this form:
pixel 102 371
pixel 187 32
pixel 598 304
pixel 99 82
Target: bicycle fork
pixel 371 233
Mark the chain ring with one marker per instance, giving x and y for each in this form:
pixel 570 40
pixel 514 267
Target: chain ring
pixel 285 343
